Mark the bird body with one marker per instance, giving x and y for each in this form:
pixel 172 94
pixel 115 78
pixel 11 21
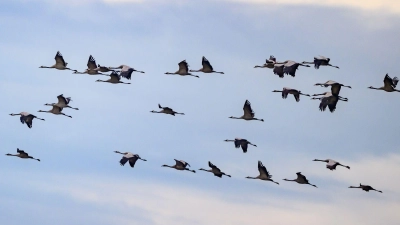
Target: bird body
pixel 207 68
pixel 166 110
pixel 241 143
pixel 389 84
pixel 366 188
pixel 248 113
pixel 320 61
pixel 26 117
pixel 60 63
pixel 264 174
pixel 180 165
pixel 129 157
pixel 56 111
pixel 92 68
pixel 183 70
pixel 331 164
pixel 22 154
pixel 301 179
pixel 62 102
pixel 215 170
pixel 296 93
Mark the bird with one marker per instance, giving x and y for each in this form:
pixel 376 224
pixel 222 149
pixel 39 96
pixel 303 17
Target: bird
pixel 22 154
pixel 62 102
pixel 292 91
pixel 180 165
pixel 60 63
pixel 290 67
pixel 327 94
pixel 330 83
pixel 104 69
pixel 329 102
pixel 269 63
pixel 389 84
pixel 366 188
pixel 128 156
pixel 331 164
pixel 92 68
pixel 115 78
pixel 166 110
pixel 126 71
pixel 301 179
pixel 183 70
pixel 215 170
pixel 248 113
pixel 241 143
pixel 320 61
pixel 56 111
pixel 207 68
pixel 26 118
pixel 264 174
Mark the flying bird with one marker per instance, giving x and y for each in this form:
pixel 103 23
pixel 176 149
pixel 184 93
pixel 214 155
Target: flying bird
pixel 301 179
pixel 290 67
pixel 264 174
pixel 389 84
pixel 26 118
pixel 366 188
pixel 92 68
pixel 126 71
pixel 22 154
pixel 115 78
pixel 294 92
pixel 56 111
pixel 167 110
pixel 215 170
pixel 320 61
pixel 248 113
pixel 331 164
pixel 183 70
pixel 269 63
pixel 241 143
pixel 60 63
pixel 129 157
pixel 62 102
pixel 180 165
pixel 207 68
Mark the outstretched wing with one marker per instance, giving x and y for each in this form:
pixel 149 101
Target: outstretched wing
pixel 132 161
pixel 263 170
pixel 247 109
pixel 60 59
pixel 91 63
pixel 206 64
pixel 183 66
pixel 123 160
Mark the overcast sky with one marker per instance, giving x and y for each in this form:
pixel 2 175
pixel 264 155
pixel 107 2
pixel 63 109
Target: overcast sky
pixel 79 179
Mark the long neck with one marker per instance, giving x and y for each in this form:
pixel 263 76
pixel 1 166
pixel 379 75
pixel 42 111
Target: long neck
pixel 277 91
pixel 12 155
pixel 289 180
pixel 354 187
pixel 169 166
pixel 381 88
pixel 229 140
pixel 319 160
pixel 218 72
pixel 205 170
pixel 307 63
pixel 252 177
pixel 258 66
pixel 232 117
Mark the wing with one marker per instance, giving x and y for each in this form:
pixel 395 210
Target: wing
pixel 115 76
pixel 278 70
pixel 290 68
pixel 302 177
pixel 206 63
pixel 324 103
pixel 237 143
pixel 21 151
pixel 91 63
pixel 211 165
pixel 123 161
pixel 126 73
pixel 180 163
pixel 59 59
pixel 247 109
pixel 263 170
pixel 285 92
pixel 132 161
pixel 296 96
pixel 335 89
pixel 183 66
pixel 61 99
pixel 317 63
pixel 388 81
pixel 244 145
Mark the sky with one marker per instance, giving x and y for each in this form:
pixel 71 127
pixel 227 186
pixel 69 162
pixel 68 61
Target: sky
pixel 79 179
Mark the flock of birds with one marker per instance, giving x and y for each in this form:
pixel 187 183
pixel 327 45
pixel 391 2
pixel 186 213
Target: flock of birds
pixel 288 67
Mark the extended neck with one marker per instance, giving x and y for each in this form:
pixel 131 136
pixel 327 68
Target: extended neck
pixel 252 177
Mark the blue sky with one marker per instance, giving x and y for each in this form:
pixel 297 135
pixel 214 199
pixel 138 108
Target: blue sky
pixel 79 179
